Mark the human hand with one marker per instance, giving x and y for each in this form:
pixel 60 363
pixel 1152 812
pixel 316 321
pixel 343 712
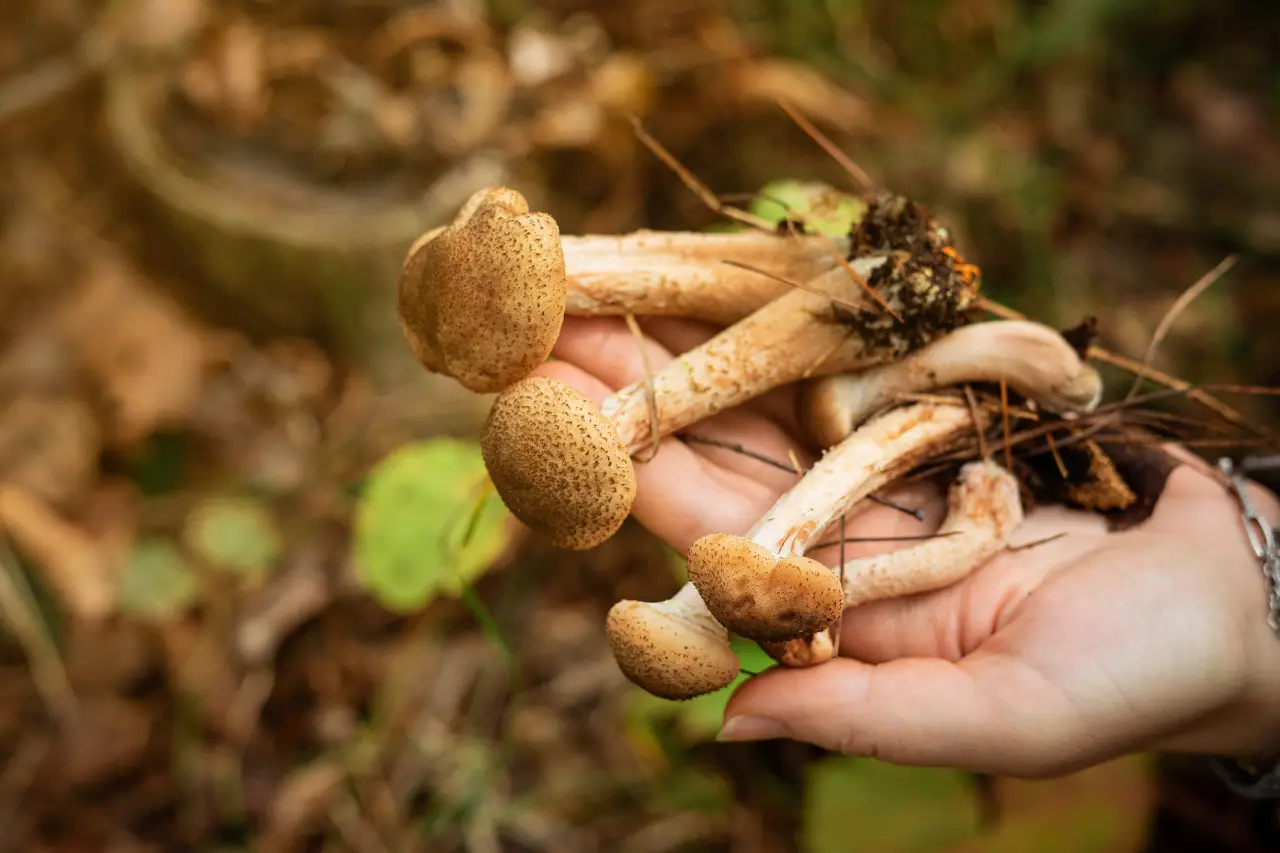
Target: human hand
pixel 1045 660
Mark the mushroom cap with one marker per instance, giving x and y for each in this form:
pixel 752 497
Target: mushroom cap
pixel 482 299
pixel 759 595
pixel 558 463
pixel 667 651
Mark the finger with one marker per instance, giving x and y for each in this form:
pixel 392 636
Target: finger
pixel 605 348
pixel 680 495
pixel 953 622
pixel 987 714
pixel 751 444
pixel 679 334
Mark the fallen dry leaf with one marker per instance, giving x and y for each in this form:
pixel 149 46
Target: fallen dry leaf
pixel 49 446
pixel 139 345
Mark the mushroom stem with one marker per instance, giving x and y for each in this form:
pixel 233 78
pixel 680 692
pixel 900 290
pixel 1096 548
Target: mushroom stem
pixel 684 274
pixel 790 338
pixel 674 649
pixel 1036 361
pixel 760 585
pixel 482 299
pixel 984 510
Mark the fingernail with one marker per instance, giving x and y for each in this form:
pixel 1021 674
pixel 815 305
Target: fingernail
pixel 751 728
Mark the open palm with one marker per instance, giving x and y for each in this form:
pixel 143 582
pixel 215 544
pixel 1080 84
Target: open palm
pixel 1050 657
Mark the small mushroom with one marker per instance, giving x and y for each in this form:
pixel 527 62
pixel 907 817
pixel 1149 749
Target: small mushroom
pixel 984 510
pixel 674 649
pixel 1036 361
pixel 483 298
pixel 759 585
pixel 797 335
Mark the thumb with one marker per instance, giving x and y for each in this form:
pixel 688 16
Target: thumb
pixel 986 713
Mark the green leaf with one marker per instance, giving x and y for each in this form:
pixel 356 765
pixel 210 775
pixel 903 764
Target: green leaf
pixel 824 209
pixel 677 563
pixel 861 804
pixel 427 524
pixel 236 535
pixel 157 582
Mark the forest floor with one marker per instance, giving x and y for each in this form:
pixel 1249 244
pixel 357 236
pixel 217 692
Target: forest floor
pixel 194 389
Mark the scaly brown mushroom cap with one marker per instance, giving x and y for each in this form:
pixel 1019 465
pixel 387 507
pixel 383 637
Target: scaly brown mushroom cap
pixel 482 300
pixel 667 652
pixel 754 592
pixel 558 463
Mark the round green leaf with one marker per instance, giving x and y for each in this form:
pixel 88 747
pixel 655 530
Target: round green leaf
pixel 234 535
pixel 157 582
pixel 824 209
pixel 426 524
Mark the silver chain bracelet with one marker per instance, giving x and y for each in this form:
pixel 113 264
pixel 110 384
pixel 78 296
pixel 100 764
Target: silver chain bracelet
pixel 1262 536
pixel 1244 780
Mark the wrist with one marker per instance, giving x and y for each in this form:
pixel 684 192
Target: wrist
pixel 1259 519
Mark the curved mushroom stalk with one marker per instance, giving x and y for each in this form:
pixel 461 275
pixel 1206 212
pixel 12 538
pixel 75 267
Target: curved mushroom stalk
pixel 482 299
pixel 984 510
pixel 759 585
pixel 790 338
pixel 674 649
pixel 1036 361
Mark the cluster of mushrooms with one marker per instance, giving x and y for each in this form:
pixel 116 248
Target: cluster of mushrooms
pixel 878 327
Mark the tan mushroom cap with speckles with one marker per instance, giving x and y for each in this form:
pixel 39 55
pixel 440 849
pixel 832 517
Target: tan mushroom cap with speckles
pixel 558 463
pixel 759 595
pixel 482 300
pixel 667 653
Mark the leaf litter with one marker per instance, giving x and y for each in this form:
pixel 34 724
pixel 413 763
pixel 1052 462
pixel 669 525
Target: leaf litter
pixel 196 709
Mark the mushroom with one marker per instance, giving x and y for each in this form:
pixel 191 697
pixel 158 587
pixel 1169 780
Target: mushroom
pixel 483 298
pixel 759 585
pixel 674 649
pixel 556 492
pixel 1036 361
pixel 984 510
pixel 678 649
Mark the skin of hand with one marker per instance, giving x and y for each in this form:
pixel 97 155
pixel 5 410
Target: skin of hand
pixel 1046 660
